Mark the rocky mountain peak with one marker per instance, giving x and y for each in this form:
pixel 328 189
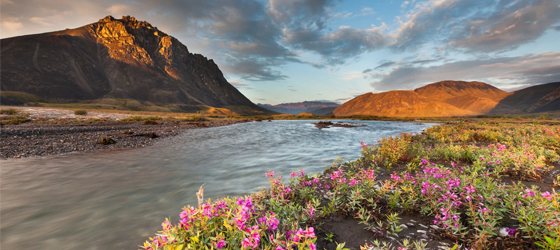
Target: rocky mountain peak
pixel 116 58
pixel 109 27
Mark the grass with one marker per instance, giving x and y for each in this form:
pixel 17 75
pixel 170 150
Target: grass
pixel 14 116
pixel 80 112
pixel 454 174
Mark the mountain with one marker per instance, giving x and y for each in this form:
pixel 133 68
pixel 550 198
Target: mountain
pixel 453 98
pixel 550 102
pixel 401 103
pixel 523 99
pixel 314 107
pixel 116 58
pixel 477 97
pixel 446 90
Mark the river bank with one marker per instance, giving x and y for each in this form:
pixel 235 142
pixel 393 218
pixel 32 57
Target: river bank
pixel 40 139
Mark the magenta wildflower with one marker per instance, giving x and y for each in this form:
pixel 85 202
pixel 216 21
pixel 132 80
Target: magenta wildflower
pixel 529 192
pixel 221 244
pixel 510 231
pixel 547 195
pixel 246 243
pixel 312 246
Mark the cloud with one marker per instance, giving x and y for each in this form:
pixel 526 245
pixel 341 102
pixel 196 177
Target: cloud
pixel 384 64
pixel 557 27
pixel 352 75
pixel 365 11
pixel 520 23
pixel 118 9
pixel 475 25
pixel 426 61
pixel 337 46
pixel 366 71
pixel 40 21
pixel 238 84
pixel 292 90
pixel 529 69
pixel 11 24
pixel 404 4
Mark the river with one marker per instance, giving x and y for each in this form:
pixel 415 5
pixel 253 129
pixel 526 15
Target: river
pixel 117 199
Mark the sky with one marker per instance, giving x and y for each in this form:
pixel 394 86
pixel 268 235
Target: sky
pixel 281 51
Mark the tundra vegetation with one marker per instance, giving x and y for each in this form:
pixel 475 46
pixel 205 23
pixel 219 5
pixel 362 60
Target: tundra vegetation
pixel 469 179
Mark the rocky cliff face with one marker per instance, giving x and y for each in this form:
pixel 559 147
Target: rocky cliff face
pixel 115 58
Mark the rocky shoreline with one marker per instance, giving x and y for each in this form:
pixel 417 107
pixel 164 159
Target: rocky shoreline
pixel 40 139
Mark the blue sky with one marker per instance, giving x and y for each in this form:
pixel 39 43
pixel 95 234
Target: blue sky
pixel 296 50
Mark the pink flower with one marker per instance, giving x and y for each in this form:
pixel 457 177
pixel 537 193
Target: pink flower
pixel 221 244
pixel 529 192
pixel 547 195
pixel 270 174
pixel 246 243
pixel 312 246
pixel 309 233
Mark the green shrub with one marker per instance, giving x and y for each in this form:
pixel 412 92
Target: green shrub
pixel 10 111
pixel 80 112
pixel 16 117
pixel 106 141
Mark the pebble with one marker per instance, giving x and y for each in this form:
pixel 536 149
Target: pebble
pixel 53 139
pixel 421 231
pixel 411 224
pixel 404 226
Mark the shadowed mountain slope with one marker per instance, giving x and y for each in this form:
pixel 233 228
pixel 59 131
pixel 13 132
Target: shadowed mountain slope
pixel 116 58
pixel 523 99
pixel 550 102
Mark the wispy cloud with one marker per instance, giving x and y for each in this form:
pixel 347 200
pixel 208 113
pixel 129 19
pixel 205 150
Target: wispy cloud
pixel 528 69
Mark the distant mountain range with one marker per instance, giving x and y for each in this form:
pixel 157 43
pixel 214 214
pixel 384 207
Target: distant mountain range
pixel 115 59
pixel 295 108
pixel 453 98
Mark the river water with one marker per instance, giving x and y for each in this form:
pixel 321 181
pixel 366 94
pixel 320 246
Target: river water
pixel 117 199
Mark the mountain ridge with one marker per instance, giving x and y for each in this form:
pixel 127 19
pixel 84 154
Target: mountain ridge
pixel 447 98
pixel 116 58
pixel 295 108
